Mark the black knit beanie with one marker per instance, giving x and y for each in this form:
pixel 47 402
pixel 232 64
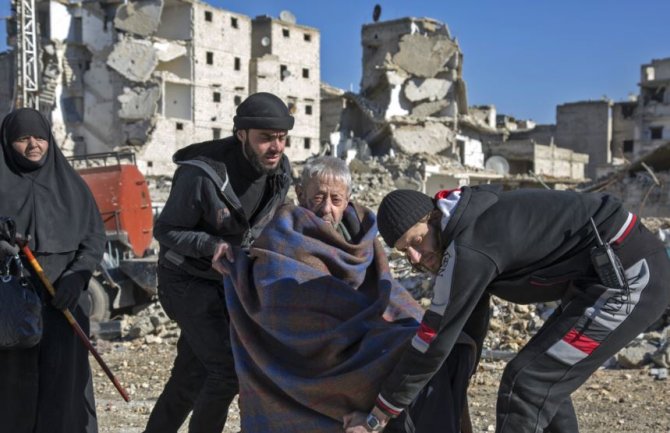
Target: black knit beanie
pixel 399 211
pixel 263 111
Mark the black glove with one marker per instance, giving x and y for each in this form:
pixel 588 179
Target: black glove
pixel 7 250
pixel 68 290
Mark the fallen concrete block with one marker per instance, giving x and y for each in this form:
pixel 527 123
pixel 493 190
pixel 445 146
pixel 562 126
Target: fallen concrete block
pixel 431 89
pixel 134 59
pixel 424 56
pixel 139 17
pixel 139 103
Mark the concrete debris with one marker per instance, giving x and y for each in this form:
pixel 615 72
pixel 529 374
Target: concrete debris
pixel 168 51
pixel 98 79
pixel 411 71
pixel 661 357
pixel 435 108
pixel 636 355
pixel 425 56
pixel 430 89
pixel 134 59
pixel 98 35
pixel 140 17
pixel 137 133
pixel 424 137
pixel 139 103
pixel 150 324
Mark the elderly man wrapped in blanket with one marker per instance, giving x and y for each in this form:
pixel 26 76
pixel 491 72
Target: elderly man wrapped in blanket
pixel 317 321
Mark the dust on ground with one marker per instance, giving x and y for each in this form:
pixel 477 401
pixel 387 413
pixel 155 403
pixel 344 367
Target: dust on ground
pixel 610 401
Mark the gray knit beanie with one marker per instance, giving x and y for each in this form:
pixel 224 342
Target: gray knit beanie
pixel 399 211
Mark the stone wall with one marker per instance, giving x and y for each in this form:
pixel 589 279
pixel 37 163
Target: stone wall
pixel 585 128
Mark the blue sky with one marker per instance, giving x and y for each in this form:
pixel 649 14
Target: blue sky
pixel 523 56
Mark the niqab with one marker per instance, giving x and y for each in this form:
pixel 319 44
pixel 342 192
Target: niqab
pixel 48 199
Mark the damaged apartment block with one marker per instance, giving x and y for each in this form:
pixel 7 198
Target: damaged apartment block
pixel 411 90
pixel 156 75
pixel 413 100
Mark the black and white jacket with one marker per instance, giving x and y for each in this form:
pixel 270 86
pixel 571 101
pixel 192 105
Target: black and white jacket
pixel 524 246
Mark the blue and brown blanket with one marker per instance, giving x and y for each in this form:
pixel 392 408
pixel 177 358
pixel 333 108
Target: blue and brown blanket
pixel 316 323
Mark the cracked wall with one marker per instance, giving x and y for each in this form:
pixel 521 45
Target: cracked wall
pixel 653 118
pixel 412 91
pixel 585 127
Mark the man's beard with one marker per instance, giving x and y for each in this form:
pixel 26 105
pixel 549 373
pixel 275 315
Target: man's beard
pixel 255 160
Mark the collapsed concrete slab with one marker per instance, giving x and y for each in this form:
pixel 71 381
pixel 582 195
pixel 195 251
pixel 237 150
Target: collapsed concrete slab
pixel 97 34
pixel 428 136
pixel 435 108
pixel 430 89
pixel 139 17
pixel 134 59
pixel 409 62
pixel 139 103
pixel 425 56
pixel 137 133
pixel 167 51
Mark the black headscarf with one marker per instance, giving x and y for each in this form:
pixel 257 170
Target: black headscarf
pixel 48 200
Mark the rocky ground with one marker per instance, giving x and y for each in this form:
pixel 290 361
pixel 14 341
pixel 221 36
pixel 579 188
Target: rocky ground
pixel 613 400
pixel 631 395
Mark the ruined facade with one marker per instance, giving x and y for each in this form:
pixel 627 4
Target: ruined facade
pixel 526 156
pixel 413 100
pixel 156 75
pixel 285 61
pixel 653 113
pixel 411 90
pixel 624 116
pixel 585 127
pixel 332 105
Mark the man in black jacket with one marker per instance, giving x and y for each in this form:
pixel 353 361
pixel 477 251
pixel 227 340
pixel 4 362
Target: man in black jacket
pixel 224 193
pixel 524 246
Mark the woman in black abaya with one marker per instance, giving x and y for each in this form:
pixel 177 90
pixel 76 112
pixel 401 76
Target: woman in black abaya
pixel 48 388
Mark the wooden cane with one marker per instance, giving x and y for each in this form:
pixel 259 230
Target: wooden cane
pixel 73 322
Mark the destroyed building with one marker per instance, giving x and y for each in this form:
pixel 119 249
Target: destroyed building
pixel 613 134
pixel 411 97
pixel 411 89
pixel 156 75
pixel 413 100
pixel 623 130
pixel 653 110
pixel 586 127
pixel 641 139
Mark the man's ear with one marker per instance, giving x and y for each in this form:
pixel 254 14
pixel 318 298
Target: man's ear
pixel 298 193
pixel 241 135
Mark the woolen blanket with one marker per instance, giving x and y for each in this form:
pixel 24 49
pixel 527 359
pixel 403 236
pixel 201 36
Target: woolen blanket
pixel 316 323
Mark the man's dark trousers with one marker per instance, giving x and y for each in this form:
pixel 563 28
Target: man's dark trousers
pixel 591 326
pixel 197 305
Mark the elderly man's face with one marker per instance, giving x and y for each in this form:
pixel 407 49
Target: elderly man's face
pixel 326 197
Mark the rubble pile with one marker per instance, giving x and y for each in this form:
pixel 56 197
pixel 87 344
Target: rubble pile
pixel 374 177
pixel 151 325
pixel 412 89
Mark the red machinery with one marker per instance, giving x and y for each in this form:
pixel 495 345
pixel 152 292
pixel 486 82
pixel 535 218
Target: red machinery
pixel 126 276
pixel 122 195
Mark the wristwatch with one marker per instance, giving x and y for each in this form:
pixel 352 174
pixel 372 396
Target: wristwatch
pixel 373 423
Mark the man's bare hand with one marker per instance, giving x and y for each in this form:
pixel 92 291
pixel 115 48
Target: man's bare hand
pixel 354 422
pixel 222 252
